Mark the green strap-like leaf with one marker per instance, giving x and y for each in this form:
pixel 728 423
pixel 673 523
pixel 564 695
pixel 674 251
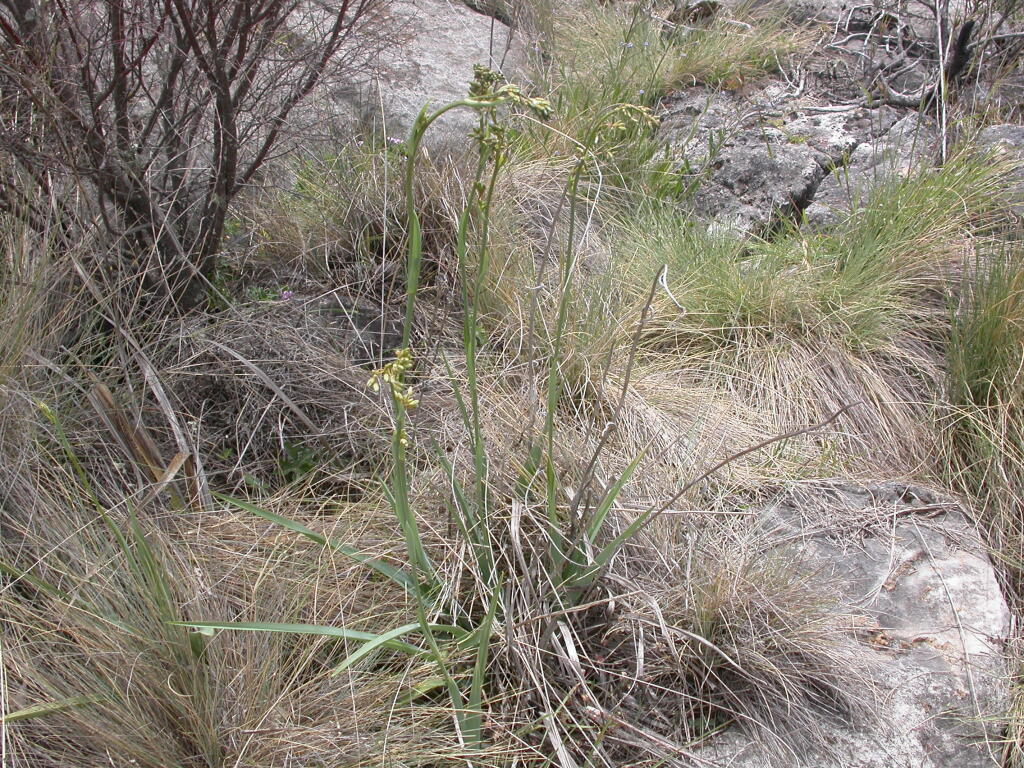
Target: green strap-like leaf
pixel 609 498
pixel 49 708
pixel 312 629
pixel 473 720
pixel 391 636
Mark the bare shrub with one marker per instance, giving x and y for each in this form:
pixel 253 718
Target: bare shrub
pixel 157 114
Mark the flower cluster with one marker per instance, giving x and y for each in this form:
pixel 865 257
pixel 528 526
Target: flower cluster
pixel 485 81
pixel 393 375
pixel 489 89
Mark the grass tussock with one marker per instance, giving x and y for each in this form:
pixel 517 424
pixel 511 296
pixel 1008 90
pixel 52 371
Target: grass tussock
pixel 98 671
pixel 279 392
pixel 805 322
pixel 733 48
pixel 985 435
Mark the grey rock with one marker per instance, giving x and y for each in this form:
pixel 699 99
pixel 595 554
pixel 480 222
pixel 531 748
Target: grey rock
pixel 934 622
pixel 755 184
pixel 502 10
pixel 760 157
pixel 837 134
pixel 433 47
pixel 852 16
pixel 1006 143
pixel 1003 139
pixel 905 147
pixel 1003 95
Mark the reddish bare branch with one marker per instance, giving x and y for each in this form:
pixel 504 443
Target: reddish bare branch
pixel 164 109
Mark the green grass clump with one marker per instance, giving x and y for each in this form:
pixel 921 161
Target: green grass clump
pixel 99 669
pixel 880 272
pixel 986 391
pixel 733 48
pixel 344 218
pixel 804 322
pixel 985 430
pixel 605 55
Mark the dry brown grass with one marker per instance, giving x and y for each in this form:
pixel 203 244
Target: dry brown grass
pixel 266 699
pixel 703 620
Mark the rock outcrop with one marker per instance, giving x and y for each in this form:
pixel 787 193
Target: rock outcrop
pixel 815 138
pixel 906 146
pixel 432 46
pixel 934 620
pixel 762 156
pixel 1006 144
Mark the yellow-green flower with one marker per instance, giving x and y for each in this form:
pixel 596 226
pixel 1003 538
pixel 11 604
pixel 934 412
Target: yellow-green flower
pixel 392 374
